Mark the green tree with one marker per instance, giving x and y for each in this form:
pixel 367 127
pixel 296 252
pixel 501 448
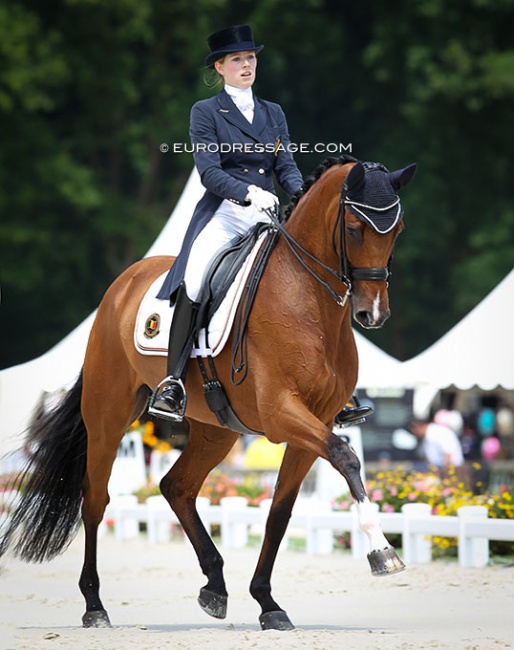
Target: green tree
pixel 89 89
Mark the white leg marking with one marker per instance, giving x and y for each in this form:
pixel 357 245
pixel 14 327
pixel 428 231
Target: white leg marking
pixel 369 524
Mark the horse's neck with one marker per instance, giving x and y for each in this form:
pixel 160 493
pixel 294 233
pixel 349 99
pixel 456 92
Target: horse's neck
pixel 311 225
pixel 311 222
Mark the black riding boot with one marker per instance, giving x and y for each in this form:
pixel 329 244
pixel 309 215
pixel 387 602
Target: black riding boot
pixel 353 413
pixel 169 398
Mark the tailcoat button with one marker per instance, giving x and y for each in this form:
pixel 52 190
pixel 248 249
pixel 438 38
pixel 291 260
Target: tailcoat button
pixel 261 171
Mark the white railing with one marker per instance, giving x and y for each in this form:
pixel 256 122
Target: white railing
pixel 315 521
pixel 318 523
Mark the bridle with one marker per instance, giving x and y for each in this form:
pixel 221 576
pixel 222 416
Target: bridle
pixel 345 268
pixel 346 273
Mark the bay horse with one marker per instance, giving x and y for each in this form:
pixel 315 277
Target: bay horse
pixel 302 369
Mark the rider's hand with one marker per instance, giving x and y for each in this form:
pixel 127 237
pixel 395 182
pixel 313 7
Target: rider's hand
pixel 261 199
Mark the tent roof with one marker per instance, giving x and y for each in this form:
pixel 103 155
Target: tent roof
pixel 478 351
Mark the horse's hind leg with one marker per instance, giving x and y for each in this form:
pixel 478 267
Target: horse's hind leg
pixel 294 468
pixel 207 446
pixel 106 426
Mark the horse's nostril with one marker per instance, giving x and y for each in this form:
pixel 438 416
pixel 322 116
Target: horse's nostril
pixel 364 317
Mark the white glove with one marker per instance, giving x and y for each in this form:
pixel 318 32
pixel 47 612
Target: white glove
pixel 261 199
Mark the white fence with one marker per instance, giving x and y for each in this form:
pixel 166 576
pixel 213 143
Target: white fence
pixel 319 524
pixel 313 518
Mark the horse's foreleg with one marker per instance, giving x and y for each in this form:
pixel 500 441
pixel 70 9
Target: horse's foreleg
pixel 207 446
pixel 294 468
pixel 382 556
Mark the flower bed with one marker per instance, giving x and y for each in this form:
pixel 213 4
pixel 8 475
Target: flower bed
pixel 393 489
pixel 219 485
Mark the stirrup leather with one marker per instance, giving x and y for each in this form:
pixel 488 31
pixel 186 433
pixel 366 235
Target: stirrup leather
pixel 174 416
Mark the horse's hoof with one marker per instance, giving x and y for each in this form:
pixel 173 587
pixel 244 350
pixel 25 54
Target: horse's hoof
pixel 213 604
pixel 96 618
pixel 278 620
pixel 385 562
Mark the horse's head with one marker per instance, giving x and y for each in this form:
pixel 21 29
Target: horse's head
pixel 371 220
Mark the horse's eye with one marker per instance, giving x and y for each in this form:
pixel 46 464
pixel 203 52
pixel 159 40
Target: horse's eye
pixel 354 232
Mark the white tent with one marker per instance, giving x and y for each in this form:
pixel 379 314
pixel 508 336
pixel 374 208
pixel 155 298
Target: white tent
pixel 477 352
pixel 22 386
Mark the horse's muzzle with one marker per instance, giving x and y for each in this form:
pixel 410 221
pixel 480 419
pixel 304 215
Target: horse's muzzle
pixel 371 318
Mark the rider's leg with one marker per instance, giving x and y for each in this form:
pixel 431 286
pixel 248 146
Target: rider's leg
pixel 228 221
pixel 170 402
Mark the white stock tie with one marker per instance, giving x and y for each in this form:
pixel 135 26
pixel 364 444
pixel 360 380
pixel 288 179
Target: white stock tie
pixel 246 109
pixel 244 102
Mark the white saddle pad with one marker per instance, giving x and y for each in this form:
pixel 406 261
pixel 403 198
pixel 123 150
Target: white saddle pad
pixel 153 321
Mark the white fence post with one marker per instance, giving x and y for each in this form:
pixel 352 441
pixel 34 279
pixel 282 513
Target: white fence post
pixel 159 519
pixel 319 540
pixel 126 526
pixel 417 547
pixel 233 533
pixel 129 470
pixel 161 463
pixel 473 551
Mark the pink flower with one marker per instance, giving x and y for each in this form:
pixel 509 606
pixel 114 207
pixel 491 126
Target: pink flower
pixel 377 495
pixel 412 496
pixel 387 507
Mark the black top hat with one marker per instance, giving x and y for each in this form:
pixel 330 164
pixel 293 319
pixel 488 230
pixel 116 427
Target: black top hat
pixel 238 38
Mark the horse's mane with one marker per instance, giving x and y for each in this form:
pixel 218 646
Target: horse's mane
pixel 314 177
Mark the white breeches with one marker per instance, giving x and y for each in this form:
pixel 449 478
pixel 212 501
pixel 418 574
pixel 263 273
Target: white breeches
pixel 229 221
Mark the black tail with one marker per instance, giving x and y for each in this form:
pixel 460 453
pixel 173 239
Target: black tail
pixel 47 516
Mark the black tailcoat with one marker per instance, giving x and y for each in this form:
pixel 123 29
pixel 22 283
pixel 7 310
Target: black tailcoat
pixel 231 153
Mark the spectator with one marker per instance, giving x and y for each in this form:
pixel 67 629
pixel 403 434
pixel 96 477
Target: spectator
pixel 439 443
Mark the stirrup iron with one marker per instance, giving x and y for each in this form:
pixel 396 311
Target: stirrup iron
pixel 174 416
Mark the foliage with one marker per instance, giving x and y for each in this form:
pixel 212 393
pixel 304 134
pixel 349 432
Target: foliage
pixel 217 486
pixel 395 488
pixel 89 89
pixel 10 485
pixel 12 481
pixel 149 490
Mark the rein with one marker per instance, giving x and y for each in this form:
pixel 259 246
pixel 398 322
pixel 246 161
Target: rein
pixel 296 248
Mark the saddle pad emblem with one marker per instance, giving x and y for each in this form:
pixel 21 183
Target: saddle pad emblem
pixel 152 326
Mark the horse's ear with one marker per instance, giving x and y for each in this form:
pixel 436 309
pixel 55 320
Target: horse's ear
pixel 355 177
pixel 402 177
